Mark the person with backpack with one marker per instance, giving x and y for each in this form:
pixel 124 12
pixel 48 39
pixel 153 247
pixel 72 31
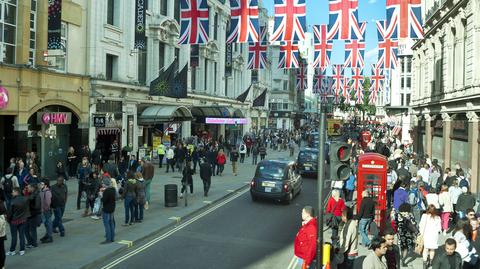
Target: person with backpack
pixel 35 207
pixel 59 200
pixel 255 152
pixel 91 186
pixel 46 210
pixel 8 182
pixel 242 150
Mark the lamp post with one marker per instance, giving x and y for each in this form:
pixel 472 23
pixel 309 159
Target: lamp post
pixel 321 176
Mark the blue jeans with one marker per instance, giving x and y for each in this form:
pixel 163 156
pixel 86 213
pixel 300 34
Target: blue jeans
pixel 109 224
pixel 20 230
pixel 364 227
pixel 57 221
pixel 129 204
pixel 47 221
pixel 139 211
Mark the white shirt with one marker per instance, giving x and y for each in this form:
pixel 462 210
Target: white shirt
pixel 432 199
pixel 454 193
pixel 170 154
pixel 424 173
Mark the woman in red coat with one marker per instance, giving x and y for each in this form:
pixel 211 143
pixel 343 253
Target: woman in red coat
pixel 305 246
pixel 221 160
pixel 335 206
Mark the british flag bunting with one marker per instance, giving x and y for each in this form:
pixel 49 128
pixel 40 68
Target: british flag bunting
pixel 355 50
pixel 404 19
pixel 387 48
pixel 257 51
pixel 323 47
pixel 193 22
pixel 343 20
pixel 290 21
pixel 244 25
pixel 357 84
pixel 289 55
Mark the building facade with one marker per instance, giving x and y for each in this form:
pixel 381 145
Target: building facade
pixel 446 85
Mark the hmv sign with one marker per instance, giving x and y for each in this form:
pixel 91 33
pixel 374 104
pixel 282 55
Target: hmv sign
pixel 57 118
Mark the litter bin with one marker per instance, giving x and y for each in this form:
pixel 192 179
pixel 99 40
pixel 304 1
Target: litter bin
pixel 171 192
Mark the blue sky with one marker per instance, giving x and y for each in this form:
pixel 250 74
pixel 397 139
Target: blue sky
pixel 368 10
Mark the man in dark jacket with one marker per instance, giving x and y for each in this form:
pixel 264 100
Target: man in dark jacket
pixel 17 217
pixel 34 205
pixel 262 150
pixel 465 201
pixel 206 176
pixel 446 257
pixel 212 159
pixel 59 200
pixel 234 159
pixel 254 154
pixel 108 203
pixel 365 216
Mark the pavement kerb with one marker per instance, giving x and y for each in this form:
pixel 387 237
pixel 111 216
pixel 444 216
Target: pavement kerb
pixel 98 262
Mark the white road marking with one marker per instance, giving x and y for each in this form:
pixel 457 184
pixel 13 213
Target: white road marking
pixel 126 242
pixel 230 191
pixel 174 230
pixel 207 202
pixel 293 263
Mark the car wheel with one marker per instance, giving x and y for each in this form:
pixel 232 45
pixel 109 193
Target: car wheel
pixel 289 198
pixel 254 198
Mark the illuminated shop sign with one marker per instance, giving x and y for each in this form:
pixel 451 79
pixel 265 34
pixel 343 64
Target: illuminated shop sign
pixel 240 121
pixel 57 118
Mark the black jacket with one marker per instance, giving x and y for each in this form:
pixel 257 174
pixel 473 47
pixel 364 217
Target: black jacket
pixel 108 200
pixel 465 201
pixel 34 204
pixel 234 156
pixel 440 261
pixel 367 209
pixel 187 175
pixel 59 195
pixel 205 171
pixel 19 209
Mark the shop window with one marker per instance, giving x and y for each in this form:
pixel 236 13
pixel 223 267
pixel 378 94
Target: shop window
pixel 161 55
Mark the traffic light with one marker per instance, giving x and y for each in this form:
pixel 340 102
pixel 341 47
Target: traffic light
pixel 340 161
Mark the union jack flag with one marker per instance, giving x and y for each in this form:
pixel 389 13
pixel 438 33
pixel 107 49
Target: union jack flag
pixel 289 55
pixel 343 20
pixel 290 20
pixel 387 48
pixel 355 50
pixel 404 19
pixel 323 46
pixel 338 77
pixel 301 78
pixel 326 89
pixel 257 52
pixel 376 80
pixel 244 25
pixel 346 90
pixel 386 96
pixel 357 84
pixel 194 22
pixel 318 79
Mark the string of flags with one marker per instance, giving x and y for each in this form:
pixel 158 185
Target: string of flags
pixel 403 21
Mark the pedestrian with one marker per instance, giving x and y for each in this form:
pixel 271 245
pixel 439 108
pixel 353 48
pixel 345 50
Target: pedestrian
pixel 132 163
pixel 180 155
pixel 35 218
pixel 221 160
pixel 348 240
pixel 161 154
pixel 242 150
pixel 115 150
pixel 140 196
pixel 432 198
pixel 350 186
pixel 148 174
pixel 262 150
pixel 170 156
pixel 465 201
pixel 335 207
pixel 17 218
pixel 3 234
pixel 83 172
pixel 378 249
pixel 431 220
pixel 108 204
pixel 205 175
pixel 392 256
pixel 233 159
pixel 400 196
pixel 455 192
pixel 447 207
pixel 366 216
pixel 447 257
pixel 71 162
pixel 46 200
pixel 60 170
pixel 195 159
pixel 187 179
pixel 305 245
pixel 129 199
pixel 463 237
pixel 91 187
pixel 59 200
pixel 254 154
pixel 8 182
pixel 391 180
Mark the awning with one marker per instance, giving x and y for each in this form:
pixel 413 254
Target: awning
pixel 108 131
pixel 396 130
pixel 211 111
pixel 159 114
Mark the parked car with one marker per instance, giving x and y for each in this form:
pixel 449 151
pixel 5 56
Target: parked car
pixel 307 162
pixel 276 180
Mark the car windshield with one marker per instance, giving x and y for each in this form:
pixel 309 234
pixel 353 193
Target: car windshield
pixel 271 171
pixel 307 156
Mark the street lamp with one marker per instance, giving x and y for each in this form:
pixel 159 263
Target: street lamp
pixel 321 174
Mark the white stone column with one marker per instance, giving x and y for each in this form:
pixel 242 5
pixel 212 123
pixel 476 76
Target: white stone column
pixel 447 127
pixel 92 131
pixel 459 65
pixel 473 145
pixel 186 129
pixel 428 135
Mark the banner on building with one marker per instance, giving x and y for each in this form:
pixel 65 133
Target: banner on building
pixel 160 85
pixel 178 86
pixel 228 59
pixel 194 54
pixel 140 25
pixel 242 97
pixel 54 25
pixel 260 100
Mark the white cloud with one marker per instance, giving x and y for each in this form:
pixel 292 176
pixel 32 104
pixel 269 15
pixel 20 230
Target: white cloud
pixel 371 54
pixel 372 1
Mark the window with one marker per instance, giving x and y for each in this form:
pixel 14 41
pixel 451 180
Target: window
pixel 402 64
pixel 285 85
pixel 33 28
pixel 111 12
pixel 408 99
pixel 176 12
pixel 402 82
pixel 163 7
pixel 61 60
pixel 215 26
pixel 409 82
pixel 8 30
pixel 409 65
pixel 206 76
pixel 142 64
pixel 402 99
pixel 161 55
pixel 285 106
pixel 177 54
pixel 111 67
pixel 465 59
pixel 194 78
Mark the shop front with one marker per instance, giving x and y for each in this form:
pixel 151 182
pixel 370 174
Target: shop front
pixel 7 121
pixel 459 135
pixel 107 122
pixel 208 129
pixel 438 141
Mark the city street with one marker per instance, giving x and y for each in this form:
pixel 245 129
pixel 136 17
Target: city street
pixel 239 234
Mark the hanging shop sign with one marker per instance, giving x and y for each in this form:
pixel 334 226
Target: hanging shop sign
pixel 140 15
pixel 3 97
pixel 240 121
pixel 99 121
pixel 57 118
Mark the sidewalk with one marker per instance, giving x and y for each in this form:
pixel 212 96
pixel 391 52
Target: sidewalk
pixel 81 244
